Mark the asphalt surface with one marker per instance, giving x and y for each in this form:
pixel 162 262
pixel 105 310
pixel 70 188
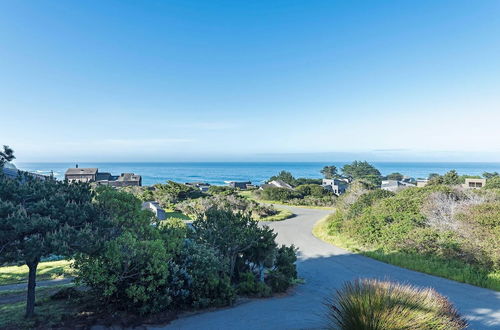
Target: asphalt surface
pixel 324 268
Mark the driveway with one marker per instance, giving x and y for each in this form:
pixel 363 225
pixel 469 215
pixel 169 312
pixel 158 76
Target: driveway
pixel 324 268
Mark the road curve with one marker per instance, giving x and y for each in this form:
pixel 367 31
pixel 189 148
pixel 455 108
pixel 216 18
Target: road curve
pixel 324 268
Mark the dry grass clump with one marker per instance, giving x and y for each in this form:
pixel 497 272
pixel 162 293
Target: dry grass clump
pixel 375 305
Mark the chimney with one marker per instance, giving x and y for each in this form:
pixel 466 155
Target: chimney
pixel 76 165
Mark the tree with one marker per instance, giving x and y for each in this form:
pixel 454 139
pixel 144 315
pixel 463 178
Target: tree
pixel 284 176
pixel 451 178
pixel 395 176
pixel 364 171
pixel 6 155
pixel 231 234
pixel 329 172
pixel 493 183
pixel 42 217
pixel 489 175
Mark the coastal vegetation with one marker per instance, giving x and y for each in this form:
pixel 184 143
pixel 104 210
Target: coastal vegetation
pixel 381 305
pixel 441 229
pixel 125 261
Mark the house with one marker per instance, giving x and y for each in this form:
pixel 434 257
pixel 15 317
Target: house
pixel 395 185
pixel 202 186
pixel 422 182
pixel 155 208
pixel 239 184
pixel 81 174
pixel 279 184
pixel 474 183
pixel 337 186
pixel 92 175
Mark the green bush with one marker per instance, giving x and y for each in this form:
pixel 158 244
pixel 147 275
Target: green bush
pixel 248 285
pixel 284 271
pixel 376 305
pixel 205 282
pixel 313 190
pixel 279 194
pixel 130 274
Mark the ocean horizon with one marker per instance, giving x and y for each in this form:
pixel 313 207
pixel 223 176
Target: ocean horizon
pixel 217 173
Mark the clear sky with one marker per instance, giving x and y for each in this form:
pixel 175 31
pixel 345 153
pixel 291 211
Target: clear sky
pixel 250 80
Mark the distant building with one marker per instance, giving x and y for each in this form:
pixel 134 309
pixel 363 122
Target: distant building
pixel 395 185
pixel 81 174
pixel 422 182
pixel 280 184
pixel 92 175
pixel 337 186
pixel 474 183
pixel 239 184
pixel 155 208
pixel 202 186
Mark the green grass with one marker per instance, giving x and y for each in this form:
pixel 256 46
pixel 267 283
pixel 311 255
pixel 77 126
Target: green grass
pixel 450 269
pixel 38 289
pixel 249 195
pixel 281 215
pixel 169 213
pixel 46 271
pixel 48 312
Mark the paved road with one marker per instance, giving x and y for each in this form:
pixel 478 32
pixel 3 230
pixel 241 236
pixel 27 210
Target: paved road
pixel 324 268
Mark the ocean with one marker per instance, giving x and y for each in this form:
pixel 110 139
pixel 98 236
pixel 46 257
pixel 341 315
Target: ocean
pixel 256 172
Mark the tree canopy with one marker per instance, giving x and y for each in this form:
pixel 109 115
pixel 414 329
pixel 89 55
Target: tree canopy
pixel 329 172
pixel 362 170
pixel 6 155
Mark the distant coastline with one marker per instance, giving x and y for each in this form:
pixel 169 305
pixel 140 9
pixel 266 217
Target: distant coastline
pixel 257 172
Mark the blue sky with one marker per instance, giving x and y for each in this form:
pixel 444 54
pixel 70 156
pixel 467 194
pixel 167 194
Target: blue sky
pixel 250 80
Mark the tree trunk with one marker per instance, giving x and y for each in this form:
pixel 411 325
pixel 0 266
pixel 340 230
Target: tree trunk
pixel 30 302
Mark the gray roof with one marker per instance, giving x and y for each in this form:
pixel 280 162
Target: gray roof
pixel 129 177
pixel 81 171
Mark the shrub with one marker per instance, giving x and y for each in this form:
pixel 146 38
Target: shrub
pixel 493 183
pixel 250 286
pixel 130 274
pixel 279 194
pixel 313 190
pixel 284 271
pixel 205 282
pixel 373 304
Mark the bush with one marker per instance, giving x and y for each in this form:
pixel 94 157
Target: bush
pixel 284 271
pixel 373 304
pixel 279 194
pixel 130 274
pixel 205 282
pixel 248 285
pixel 493 183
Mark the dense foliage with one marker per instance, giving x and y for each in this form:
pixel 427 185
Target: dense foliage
pixel 377 305
pixel 150 267
pixel 43 217
pixel 436 222
pixel 196 208
pixel 363 171
pixel 306 194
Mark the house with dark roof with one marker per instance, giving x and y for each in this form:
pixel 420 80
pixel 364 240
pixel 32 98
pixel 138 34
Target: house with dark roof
pixel 81 174
pixel 92 175
pixel 239 184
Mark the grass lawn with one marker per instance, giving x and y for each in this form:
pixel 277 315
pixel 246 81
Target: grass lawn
pixel 48 312
pixel 249 195
pixel 6 293
pixel 46 271
pixel 176 214
pixel 451 269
